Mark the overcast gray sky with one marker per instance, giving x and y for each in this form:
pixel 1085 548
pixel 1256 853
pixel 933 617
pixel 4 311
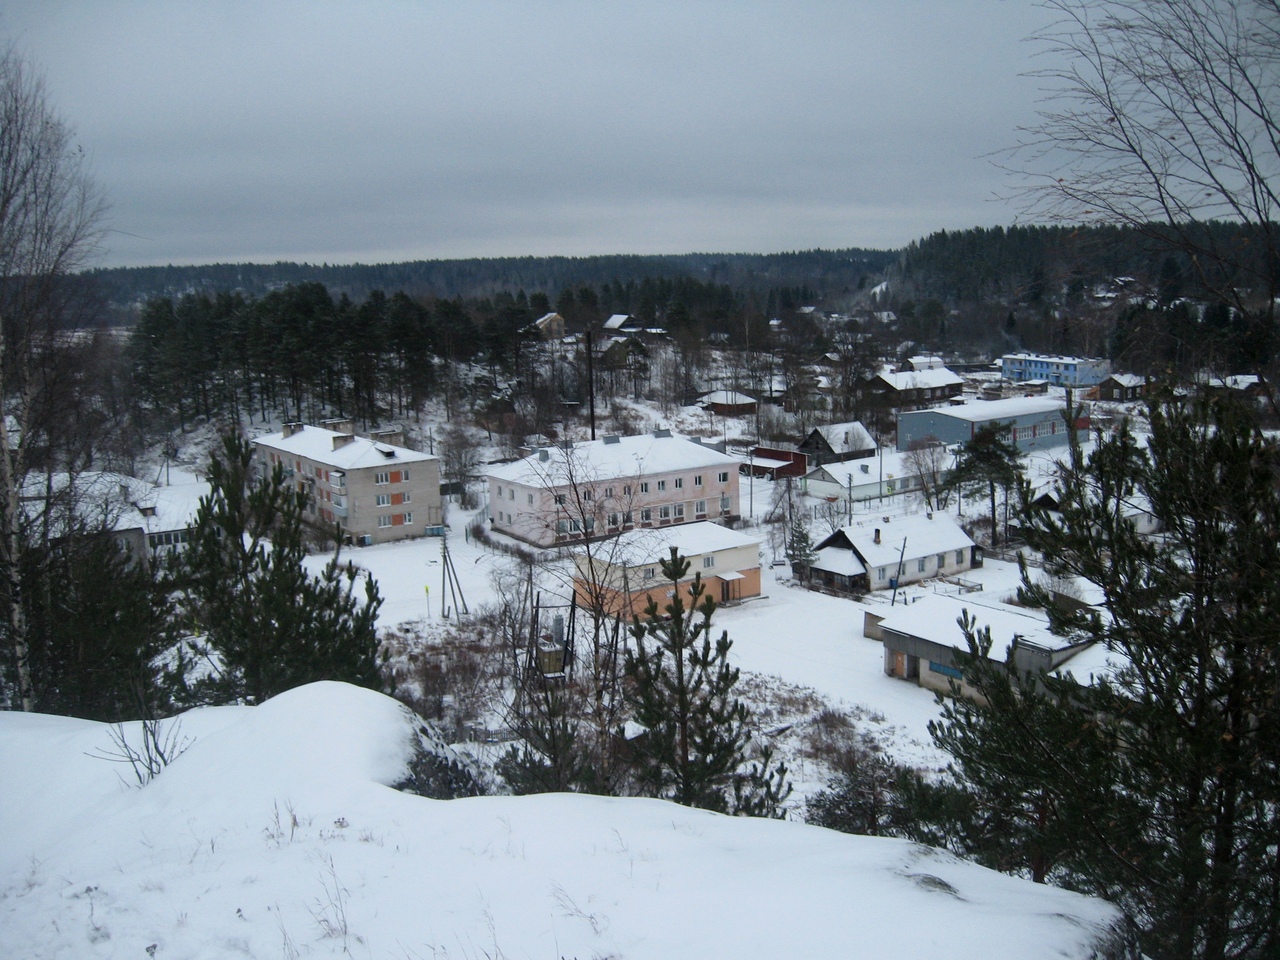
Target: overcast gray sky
pixel 383 131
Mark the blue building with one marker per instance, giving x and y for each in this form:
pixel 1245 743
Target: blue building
pixel 1033 422
pixel 1056 371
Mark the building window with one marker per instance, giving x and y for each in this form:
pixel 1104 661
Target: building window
pixel 662 485
pixel 404 476
pixel 626 490
pixel 942 560
pixel 626 518
pixel 880 573
pixel 679 511
pixel 664 512
pixel 679 483
pixel 408 517
pixel 586 495
pixel 648 573
pixel 708 563
pixel 700 507
pixel 562 526
pixel 724 504
pixel 697 481
pixel 382 500
pixel 959 556
pixel 608 492
pixel 560 499
pixel 385 477
pixel 530 499
pixel 920 565
pixel 724 476
pixel 644 487
pixel 613 519
pixel 384 520
pixel 511 493
pixel 646 515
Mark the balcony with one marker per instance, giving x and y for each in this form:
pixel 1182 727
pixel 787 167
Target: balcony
pixel 339 505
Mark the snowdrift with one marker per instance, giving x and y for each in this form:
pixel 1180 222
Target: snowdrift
pixel 277 834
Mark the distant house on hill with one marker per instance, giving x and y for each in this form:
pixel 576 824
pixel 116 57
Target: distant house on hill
pixel 836 442
pixel 911 389
pixel 728 403
pixel 623 323
pixel 551 326
pixel 1122 388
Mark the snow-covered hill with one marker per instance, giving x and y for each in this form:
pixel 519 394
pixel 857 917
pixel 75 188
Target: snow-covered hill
pixel 276 835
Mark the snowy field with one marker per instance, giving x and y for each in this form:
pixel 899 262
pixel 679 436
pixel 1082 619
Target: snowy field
pixel 276 835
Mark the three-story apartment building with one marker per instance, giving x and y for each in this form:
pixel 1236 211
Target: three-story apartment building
pixel 377 492
pixel 602 487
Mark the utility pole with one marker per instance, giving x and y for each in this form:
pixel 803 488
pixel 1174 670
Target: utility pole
pixel 591 384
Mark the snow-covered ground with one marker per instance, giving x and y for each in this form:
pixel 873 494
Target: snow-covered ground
pixel 800 637
pixel 275 835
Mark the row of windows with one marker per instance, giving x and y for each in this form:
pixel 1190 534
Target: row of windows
pixel 394 519
pixel 922 565
pixel 588 494
pixel 170 539
pixel 391 476
pixel 708 563
pixel 387 499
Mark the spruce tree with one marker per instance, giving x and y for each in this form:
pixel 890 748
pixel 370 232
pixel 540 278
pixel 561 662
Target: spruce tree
pixel 1158 784
pixel 681 689
pixel 267 623
pixel 800 550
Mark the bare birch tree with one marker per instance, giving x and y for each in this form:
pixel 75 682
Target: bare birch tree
pixel 50 216
pixel 1162 116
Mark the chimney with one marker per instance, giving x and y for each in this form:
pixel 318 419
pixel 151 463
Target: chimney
pixel 877 536
pixel 289 429
pixel 544 455
pixel 342 439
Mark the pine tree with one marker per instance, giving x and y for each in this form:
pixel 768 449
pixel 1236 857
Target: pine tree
pixel 1157 785
pixel 990 458
pixel 800 549
pixel 267 623
pixel 681 689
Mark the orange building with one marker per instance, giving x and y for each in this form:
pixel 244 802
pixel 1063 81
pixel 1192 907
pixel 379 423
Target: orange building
pixel 621 575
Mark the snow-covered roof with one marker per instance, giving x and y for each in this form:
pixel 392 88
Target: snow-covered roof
pixel 982 410
pixel 115 500
pixel 836 560
pixel 616 321
pixel 936 618
pixel 887 465
pixel 647 546
pixel 844 437
pixel 922 379
pixel 1127 379
pixel 1054 357
pixel 925 535
pixel 730 398
pixel 612 458
pixel 316 443
pixel 926 362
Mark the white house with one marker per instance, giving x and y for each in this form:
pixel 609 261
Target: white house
pixel 894 551
pixel 885 475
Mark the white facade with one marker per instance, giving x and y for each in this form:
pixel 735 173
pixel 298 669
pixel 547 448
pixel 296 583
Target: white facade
pixel 601 487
